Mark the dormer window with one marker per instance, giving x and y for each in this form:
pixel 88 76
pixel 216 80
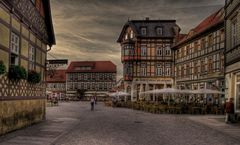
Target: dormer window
pixel 126 36
pixel 144 31
pixel 159 31
pixel 131 34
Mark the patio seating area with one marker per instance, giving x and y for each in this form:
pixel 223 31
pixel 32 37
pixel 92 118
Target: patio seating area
pixel 174 101
pixel 164 108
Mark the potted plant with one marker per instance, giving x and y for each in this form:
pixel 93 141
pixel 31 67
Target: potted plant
pixel 34 77
pixel 2 68
pixel 17 73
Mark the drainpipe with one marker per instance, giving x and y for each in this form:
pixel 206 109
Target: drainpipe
pixel 50 48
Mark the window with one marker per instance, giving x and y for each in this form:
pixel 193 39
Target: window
pixel 128 50
pixel 210 40
pixel 143 51
pixel 15 47
pixel 210 65
pixel 159 31
pixel 31 57
pixel 222 37
pixel 159 51
pixel 143 70
pixel 202 65
pixel 167 50
pixel 168 69
pixel 234 33
pixel 187 50
pixel 195 69
pixel 196 46
pixel 126 36
pixel 202 43
pixel 187 70
pixel 83 68
pixel 159 70
pixel 182 71
pixel 144 31
pixel 131 34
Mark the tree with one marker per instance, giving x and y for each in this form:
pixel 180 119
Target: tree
pixel 81 93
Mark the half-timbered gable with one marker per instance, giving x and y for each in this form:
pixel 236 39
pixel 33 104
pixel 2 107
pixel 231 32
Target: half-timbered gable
pixel 146 53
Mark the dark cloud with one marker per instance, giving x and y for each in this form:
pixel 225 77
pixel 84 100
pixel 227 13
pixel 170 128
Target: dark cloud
pixel 88 29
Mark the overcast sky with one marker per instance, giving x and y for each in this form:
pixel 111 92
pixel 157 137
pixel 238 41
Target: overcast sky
pixel 88 29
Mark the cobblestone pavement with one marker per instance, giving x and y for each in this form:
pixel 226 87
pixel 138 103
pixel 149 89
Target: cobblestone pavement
pixel 74 124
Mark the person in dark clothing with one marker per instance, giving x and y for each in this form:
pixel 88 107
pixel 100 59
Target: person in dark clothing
pixel 92 101
pixel 95 99
pixel 230 114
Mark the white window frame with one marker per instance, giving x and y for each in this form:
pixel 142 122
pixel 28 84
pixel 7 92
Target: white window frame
pixel 159 70
pixel 143 70
pixel 143 50
pixel 159 51
pixel 131 34
pixel 168 71
pixel 167 50
pixel 15 48
pixel 126 36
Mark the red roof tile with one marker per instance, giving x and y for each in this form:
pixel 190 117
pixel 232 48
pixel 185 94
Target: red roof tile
pixel 58 76
pixel 206 24
pixel 92 66
pixel 182 36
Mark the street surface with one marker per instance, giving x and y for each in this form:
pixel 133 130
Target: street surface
pixel 74 124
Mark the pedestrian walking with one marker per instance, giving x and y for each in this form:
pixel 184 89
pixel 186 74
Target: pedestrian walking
pixel 95 99
pixel 92 102
pixel 230 114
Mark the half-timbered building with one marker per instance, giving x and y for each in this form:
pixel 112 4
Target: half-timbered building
pixel 199 56
pixel 232 17
pixel 26 31
pixel 147 55
pixel 94 78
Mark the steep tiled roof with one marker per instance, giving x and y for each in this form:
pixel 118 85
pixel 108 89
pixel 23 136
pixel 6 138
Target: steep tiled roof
pixel 182 36
pixel 205 25
pixel 151 25
pixel 58 76
pixel 96 66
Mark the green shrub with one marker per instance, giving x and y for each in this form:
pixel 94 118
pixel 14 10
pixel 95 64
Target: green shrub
pixel 34 77
pixel 2 68
pixel 17 73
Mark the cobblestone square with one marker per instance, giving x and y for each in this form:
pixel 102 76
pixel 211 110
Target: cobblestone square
pixel 74 124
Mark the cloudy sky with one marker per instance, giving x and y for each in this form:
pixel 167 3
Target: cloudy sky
pixel 88 29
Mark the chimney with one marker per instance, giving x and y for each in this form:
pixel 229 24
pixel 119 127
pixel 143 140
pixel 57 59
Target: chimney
pixel 147 18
